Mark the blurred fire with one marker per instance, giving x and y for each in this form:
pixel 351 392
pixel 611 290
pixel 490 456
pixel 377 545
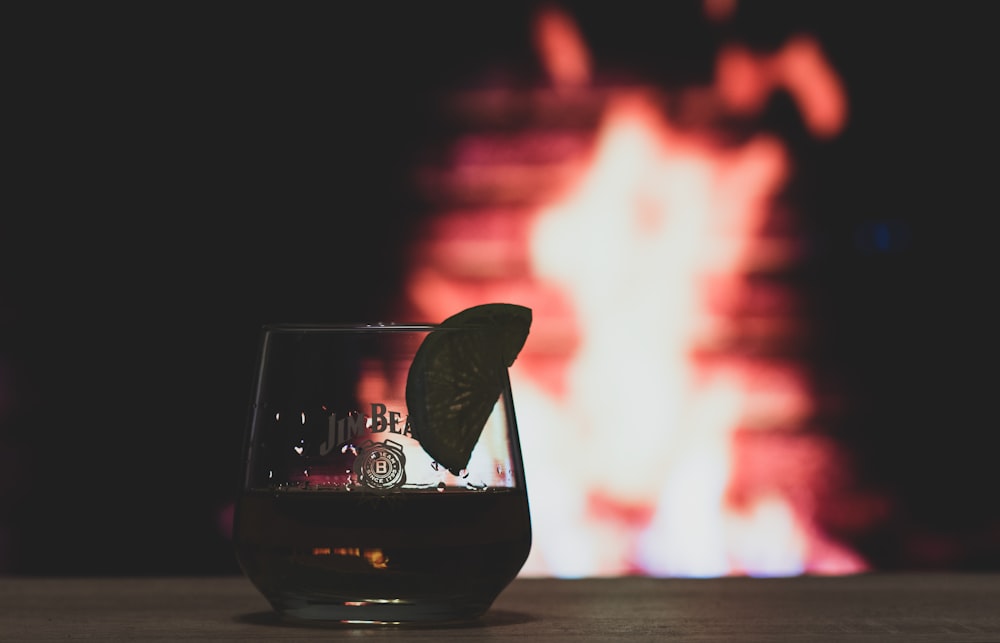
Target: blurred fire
pixel 662 407
pixel 374 557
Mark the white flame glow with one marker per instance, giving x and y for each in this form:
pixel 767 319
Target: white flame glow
pixel 634 406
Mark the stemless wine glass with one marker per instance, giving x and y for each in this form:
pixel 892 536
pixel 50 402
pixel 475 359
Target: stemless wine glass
pixel 343 516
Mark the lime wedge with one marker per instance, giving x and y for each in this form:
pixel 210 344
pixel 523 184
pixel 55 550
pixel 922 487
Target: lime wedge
pixel 457 376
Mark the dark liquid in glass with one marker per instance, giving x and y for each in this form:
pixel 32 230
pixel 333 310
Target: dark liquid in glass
pixel 423 555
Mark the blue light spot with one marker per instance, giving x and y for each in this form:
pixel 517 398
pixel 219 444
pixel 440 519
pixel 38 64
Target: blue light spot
pixel 881 236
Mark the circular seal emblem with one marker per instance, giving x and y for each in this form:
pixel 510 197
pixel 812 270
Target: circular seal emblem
pixel 380 465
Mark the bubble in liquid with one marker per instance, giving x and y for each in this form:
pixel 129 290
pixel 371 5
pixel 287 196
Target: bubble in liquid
pixel 435 466
pixel 472 486
pixel 440 487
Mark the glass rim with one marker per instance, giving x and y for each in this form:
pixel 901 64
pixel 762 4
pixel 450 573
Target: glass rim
pixel 342 327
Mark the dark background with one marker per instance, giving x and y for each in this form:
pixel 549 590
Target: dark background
pixel 180 173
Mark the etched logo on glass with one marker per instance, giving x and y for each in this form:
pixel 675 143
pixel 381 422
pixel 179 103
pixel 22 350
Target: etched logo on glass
pixel 380 465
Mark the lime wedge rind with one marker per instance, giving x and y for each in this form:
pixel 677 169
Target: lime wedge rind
pixel 457 376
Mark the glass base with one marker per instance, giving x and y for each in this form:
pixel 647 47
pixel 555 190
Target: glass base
pixel 378 612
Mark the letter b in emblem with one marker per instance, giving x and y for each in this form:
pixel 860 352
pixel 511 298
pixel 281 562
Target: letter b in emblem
pixel 381 466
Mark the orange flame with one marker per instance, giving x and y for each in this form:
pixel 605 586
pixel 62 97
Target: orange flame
pixel 719 10
pixel 561 48
pixel 745 80
pixel 376 558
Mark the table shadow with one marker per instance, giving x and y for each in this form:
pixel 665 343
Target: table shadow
pixel 493 618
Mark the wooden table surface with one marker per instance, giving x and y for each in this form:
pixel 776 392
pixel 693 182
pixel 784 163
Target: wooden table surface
pixel 875 607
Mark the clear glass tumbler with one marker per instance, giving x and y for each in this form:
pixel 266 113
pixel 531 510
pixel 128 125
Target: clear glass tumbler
pixel 343 515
